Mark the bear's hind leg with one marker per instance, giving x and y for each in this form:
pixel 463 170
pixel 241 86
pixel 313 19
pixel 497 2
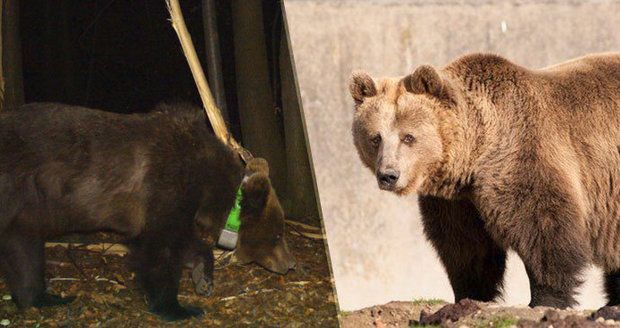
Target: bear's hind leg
pixel 159 270
pixel 22 262
pixel 612 288
pixel 474 263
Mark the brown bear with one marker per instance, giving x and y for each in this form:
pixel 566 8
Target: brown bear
pixel 261 240
pixel 154 178
pixel 504 157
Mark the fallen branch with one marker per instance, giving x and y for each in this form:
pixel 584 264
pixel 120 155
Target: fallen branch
pixel 301 283
pixel 58 263
pixel 267 290
pixel 104 248
pixel 64 279
pixel 107 280
pixel 308 235
pixel 305 226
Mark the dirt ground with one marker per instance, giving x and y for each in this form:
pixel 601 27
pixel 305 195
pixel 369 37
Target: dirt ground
pixel 436 313
pixel 107 295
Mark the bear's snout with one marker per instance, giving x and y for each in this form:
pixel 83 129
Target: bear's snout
pixel 388 178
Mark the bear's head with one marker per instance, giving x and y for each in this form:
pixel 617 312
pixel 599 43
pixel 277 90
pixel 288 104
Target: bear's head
pixel 396 126
pixel 261 236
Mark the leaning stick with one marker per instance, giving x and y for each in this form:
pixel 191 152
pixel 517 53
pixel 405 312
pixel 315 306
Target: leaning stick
pixel 213 113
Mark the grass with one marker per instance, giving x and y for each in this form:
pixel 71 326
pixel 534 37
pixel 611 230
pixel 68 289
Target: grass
pixel 498 322
pixel 495 322
pixel 431 301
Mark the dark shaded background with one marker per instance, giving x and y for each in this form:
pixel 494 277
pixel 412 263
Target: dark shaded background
pixel 120 56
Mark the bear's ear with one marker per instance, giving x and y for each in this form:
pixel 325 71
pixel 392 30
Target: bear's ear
pixel 425 79
pixel 256 189
pixel 361 86
pixel 257 165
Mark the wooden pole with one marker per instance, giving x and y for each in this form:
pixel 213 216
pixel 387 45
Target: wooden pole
pixel 302 189
pixel 212 50
pixel 213 113
pixel 261 126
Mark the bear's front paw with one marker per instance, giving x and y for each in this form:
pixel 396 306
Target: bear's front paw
pixel 203 283
pixel 556 299
pixel 204 287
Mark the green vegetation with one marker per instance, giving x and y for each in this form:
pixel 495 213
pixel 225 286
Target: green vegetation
pixel 495 322
pixel 431 301
pixel 498 322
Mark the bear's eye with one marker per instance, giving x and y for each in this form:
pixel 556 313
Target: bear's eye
pixel 408 139
pixel 376 140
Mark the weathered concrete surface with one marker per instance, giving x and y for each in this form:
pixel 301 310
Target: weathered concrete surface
pixel 377 247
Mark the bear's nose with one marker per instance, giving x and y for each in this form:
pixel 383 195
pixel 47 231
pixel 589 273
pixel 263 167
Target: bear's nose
pixel 388 177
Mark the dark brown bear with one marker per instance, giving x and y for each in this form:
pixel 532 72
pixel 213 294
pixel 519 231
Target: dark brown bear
pixel 153 178
pixel 504 157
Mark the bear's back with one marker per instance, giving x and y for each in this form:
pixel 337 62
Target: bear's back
pixel 587 82
pixel 583 95
pixel 100 170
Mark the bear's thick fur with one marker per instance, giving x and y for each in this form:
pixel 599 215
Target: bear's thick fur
pixel 155 178
pixel 504 157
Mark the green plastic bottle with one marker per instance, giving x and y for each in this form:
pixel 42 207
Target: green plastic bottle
pixel 230 233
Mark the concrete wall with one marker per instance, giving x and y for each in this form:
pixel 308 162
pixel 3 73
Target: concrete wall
pixel 376 243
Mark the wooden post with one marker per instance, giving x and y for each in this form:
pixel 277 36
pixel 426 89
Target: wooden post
pixel 302 187
pixel 260 128
pixel 214 61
